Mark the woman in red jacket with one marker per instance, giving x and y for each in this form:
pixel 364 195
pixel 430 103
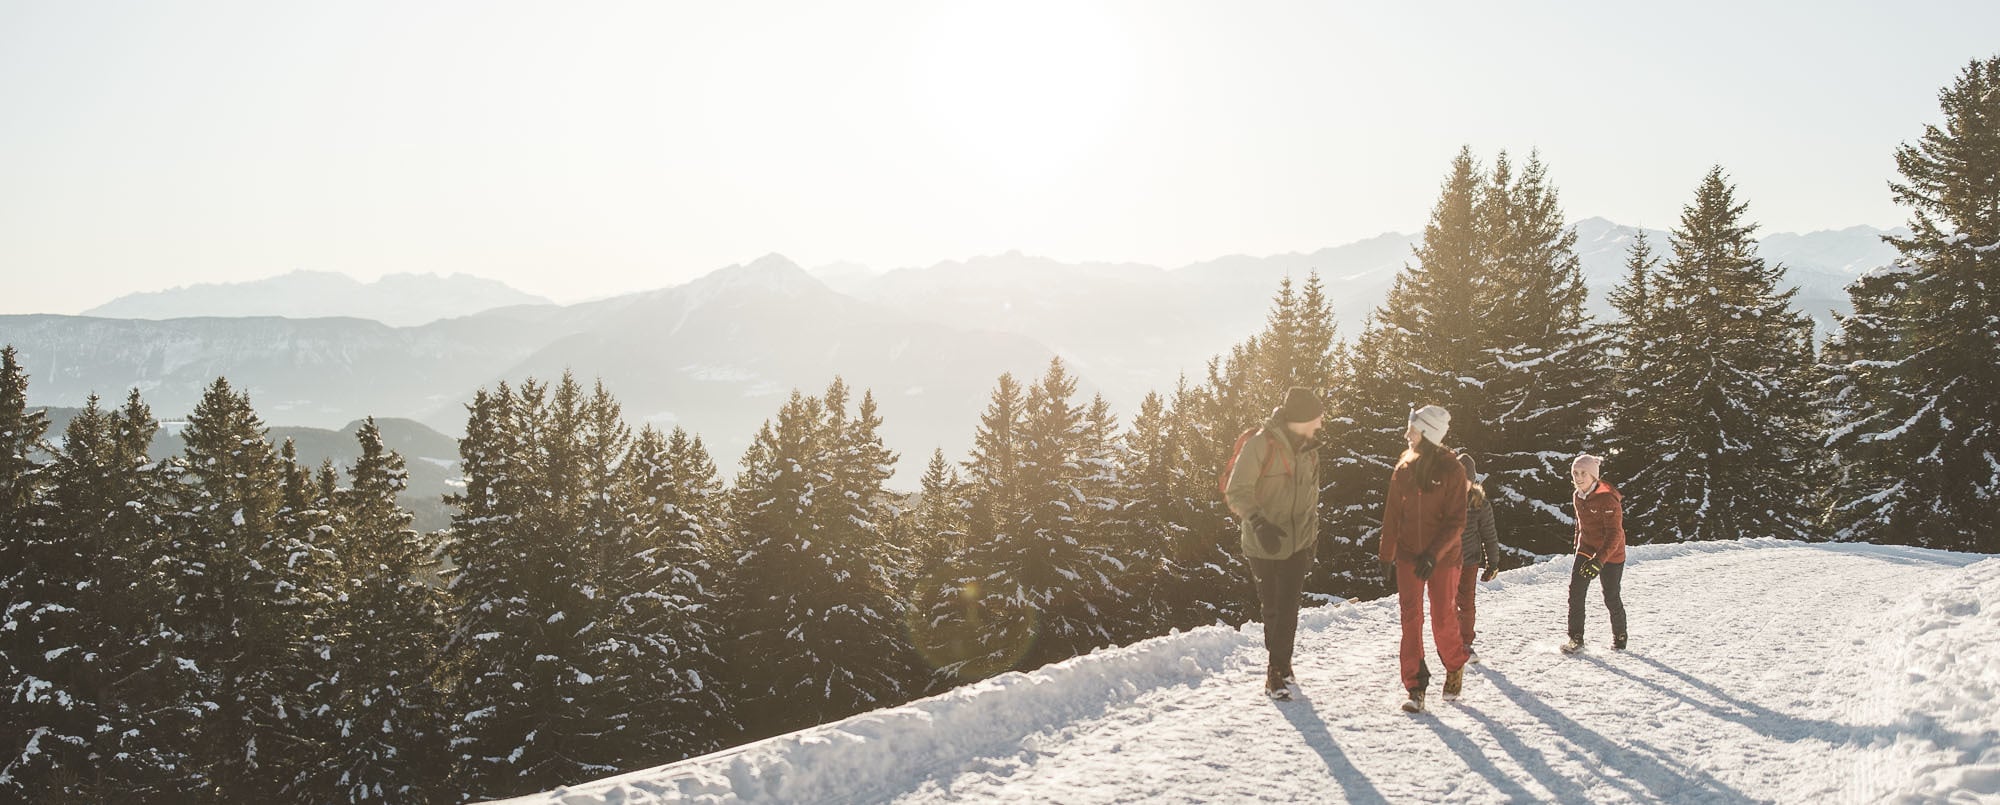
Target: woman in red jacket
pixel 1600 549
pixel 1422 522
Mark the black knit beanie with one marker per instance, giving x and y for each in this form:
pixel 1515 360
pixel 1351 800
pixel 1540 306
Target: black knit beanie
pixel 1301 405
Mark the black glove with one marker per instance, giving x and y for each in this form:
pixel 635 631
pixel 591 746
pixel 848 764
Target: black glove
pixel 1589 567
pixel 1490 574
pixel 1425 564
pixel 1269 535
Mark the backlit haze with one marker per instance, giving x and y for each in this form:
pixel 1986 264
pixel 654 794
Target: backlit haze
pixel 582 150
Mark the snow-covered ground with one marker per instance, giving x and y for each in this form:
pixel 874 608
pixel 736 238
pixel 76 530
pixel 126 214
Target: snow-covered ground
pixel 1760 670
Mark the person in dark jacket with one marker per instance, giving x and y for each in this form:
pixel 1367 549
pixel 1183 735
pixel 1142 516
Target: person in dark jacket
pixel 1482 549
pixel 1600 549
pixel 1423 521
pixel 1274 489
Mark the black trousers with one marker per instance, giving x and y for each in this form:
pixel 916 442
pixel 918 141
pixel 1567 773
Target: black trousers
pixel 1610 577
pixel 1280 583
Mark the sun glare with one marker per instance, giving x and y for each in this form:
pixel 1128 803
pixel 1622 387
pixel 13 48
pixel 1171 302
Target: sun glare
pixel 1022 91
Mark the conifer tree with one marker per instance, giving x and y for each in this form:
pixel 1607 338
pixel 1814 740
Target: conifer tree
pixel 1916 370
pixel 992 468
pixel 23 583
pixel 940 520
pixel 385 704
pixel 111 507
pixel 539 699
pixel 670 637
pixel 1158 510
pixel 1638 416
pixel 816 617
pixel 1541 383
pixel 247 601
pixel 1734 361
pixel 493 567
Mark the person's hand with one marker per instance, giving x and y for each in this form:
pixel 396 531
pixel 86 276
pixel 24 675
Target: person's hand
pixel 1389 574
pixel 1269 535
pixel 1588 567
pixel 1490 574
pixel 1425 564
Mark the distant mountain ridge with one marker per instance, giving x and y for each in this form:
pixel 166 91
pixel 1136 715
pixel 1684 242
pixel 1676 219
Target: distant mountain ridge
pixel 398 300
pixel 719 354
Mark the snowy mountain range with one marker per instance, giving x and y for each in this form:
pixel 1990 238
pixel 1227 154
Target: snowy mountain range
pixel 398 300
pixel 719 354
pixel 1866 675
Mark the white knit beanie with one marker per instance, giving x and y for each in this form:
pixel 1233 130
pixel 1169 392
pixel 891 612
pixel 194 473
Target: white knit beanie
pixel 1431 421
pixel 1587 463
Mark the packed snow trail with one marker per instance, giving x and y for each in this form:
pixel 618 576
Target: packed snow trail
pixel 1760 670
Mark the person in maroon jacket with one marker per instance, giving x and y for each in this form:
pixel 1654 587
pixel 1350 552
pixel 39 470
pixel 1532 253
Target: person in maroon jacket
pixel 1600 549
pixel 1422 523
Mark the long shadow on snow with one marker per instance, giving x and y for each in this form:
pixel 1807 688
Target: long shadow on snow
pixel 1531 759
pixel 1475 759
pixel 1662 781
pixel 1792 729
pixel 1354 785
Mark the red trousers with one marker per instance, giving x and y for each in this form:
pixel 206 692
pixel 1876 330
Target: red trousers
pixel 1468 606
pixel 1443 589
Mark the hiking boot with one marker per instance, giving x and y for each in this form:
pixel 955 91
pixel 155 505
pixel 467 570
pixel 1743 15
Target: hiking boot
pixel 1470 655
pixel 1275 687
pixel 1618 642
pixel 1285 672
pixel 1416 701
pixel 1454 681
pixel 1574 645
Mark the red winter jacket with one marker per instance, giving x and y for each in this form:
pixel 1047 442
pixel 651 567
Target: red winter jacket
pixel 1427 519
pixel 1600 524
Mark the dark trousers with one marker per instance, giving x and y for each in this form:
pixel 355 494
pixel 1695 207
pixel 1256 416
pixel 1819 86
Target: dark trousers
pixel 1610 576
pixel 1468 603
pixel 1280 582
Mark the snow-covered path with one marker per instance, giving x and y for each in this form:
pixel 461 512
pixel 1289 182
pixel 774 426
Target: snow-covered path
pixel 1759 671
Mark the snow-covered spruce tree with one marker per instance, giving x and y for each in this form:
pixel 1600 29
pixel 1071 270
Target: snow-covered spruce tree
pixel 991 471
pixel 248 602
pixel 1917 368
pixel 1104 462
pixel 491 620
pixel 1734 362
pixel 668 643
pixel 1160 504
pixel 954 624
pixel 1544 382
pixel 702 495
pixel 539 696
pixel 108 577
pixel 938 522
pixel 306 519
pixel 1637 416
pixel 816 620
pixel 1208 574
pixel 25 765
pixel 21 496
pixel 387 622
pixel 936 531
pixel 1031 585
pixel 1050 561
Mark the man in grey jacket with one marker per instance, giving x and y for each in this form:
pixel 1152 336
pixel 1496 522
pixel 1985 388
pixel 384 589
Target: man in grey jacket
pixel 1274 489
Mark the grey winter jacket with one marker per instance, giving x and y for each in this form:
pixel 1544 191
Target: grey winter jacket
pixel 1277 476
pixel 1482 540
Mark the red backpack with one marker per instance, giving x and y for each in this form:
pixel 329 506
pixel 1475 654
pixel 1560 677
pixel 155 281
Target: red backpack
pixel 1229 466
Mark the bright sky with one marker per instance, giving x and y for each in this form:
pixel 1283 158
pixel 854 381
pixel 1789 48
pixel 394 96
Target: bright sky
pixel 583 149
